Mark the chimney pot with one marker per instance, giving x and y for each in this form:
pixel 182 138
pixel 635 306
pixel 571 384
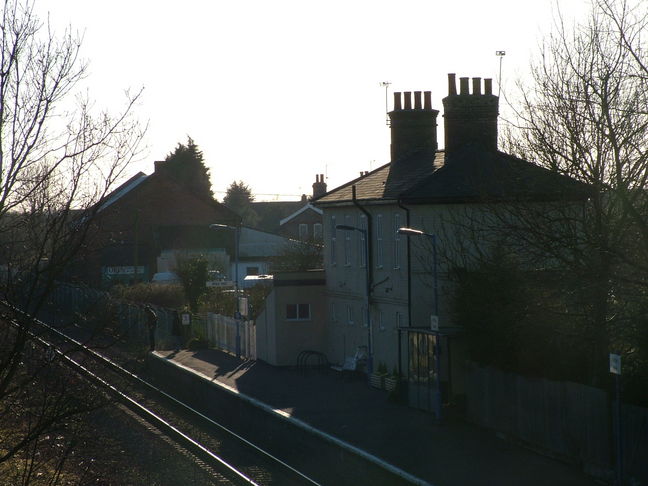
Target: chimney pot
pixel 476 86
pixel 417 100
pixel 452 85
pixel 463 86
pixel 471 120
pixel 319 186
pixel 408 100
pixel 488 86
pixel 412 129
pixel 397 101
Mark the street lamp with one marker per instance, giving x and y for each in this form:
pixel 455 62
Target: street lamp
pixel 237 230
pixel 363 232
pixel 437 350
pixel 415 232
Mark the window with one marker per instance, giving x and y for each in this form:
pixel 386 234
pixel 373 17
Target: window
pixel 347 241
pixel 364 316
pixel 350 314
pixel 252 271
pixel 363 243
pixel 333 312
pixel 379 319
pixel 397 240
pixel 379 241
pixel 303 231
pixel 297 312
pixel 317 231
pixel 333 240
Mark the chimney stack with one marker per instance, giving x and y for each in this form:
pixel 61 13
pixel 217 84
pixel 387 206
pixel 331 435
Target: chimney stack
pixel 470 118
pixel 413 125
pixel 319 186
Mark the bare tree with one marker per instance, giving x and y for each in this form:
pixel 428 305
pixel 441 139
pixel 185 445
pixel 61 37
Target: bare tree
pixel 58 161
pixel 583 115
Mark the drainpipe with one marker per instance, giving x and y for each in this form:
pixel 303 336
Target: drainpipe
pixel 369 277
pixel 409 285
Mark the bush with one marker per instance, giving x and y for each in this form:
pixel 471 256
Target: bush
pixel 170 296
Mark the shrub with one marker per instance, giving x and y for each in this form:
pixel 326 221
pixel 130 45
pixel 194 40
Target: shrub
pixel 170 296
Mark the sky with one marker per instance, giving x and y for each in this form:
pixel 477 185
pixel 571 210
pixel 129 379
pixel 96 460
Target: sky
pixel 275 92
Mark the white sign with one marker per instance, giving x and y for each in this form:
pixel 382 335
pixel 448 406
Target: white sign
pixel 123 270
pixel 243 306
pixel 434 323
pixel 615 364
pixel 186 319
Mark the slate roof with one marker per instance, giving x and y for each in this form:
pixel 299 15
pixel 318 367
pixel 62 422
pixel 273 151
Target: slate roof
pixel 123 189
pixel 468 174
pixel 272 212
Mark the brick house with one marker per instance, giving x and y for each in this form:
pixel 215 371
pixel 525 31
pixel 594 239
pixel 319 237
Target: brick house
pixel 297 220
pixel 142 217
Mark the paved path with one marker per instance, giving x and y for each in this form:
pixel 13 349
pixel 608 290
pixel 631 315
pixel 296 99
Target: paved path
pixel 454 453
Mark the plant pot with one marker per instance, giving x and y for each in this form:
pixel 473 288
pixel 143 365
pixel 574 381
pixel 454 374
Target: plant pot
pixel 377 381
pixel 390 383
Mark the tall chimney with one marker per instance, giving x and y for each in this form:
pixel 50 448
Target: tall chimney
pixel 319 186
pixel 412 127
pixel 470 118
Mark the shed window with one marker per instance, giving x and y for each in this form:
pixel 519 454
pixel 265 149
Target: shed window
pixel 297 312
pixel 317 231
pixel 303 231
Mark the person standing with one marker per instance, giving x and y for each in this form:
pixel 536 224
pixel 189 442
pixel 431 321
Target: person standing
pixel 151 324
pixel 176 330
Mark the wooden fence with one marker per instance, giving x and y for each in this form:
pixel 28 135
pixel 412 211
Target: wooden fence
pixel 569 420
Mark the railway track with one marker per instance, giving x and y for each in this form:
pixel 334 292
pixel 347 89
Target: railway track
pixel 225 456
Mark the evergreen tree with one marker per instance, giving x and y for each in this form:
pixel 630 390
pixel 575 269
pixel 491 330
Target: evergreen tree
pixel 186 166
pixel 239 198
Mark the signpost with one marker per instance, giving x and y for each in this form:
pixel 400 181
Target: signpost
pixel 615 369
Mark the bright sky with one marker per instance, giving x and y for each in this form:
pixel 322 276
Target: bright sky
pixel 274 92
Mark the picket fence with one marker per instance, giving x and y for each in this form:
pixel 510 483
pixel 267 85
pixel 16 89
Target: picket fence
pixel 68 303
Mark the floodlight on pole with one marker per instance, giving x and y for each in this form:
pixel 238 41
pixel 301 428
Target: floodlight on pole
pixel 501 55
pixel 386 84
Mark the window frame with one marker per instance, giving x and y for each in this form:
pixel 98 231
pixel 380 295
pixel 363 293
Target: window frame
pixel 379 242
pixel 350 315
pixel 362 253
pixel 397 242
pixel 298 308
pixel 302 231
pixel 333 241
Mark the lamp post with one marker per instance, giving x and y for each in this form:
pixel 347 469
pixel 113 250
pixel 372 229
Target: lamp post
pixel 363 232
pixel 237 230
pixel 437 350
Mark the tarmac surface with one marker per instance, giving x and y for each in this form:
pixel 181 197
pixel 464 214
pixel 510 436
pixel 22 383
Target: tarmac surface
pixel 349 412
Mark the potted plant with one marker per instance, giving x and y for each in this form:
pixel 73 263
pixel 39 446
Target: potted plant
pixel 391 381
pixel 377 378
